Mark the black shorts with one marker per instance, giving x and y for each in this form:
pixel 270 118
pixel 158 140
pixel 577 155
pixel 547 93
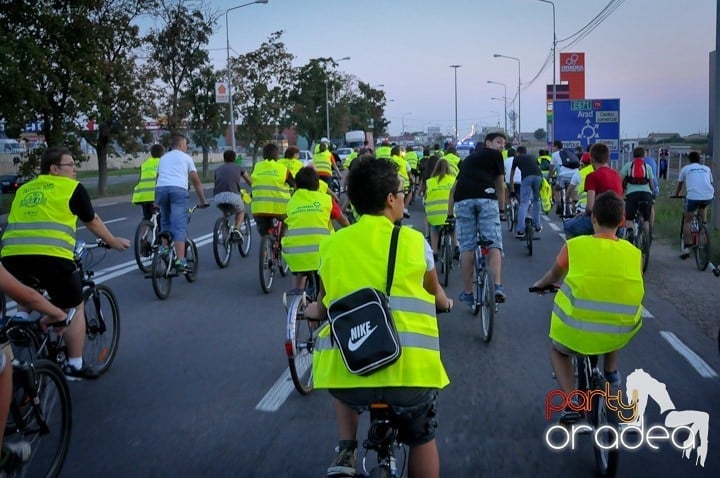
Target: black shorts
pixel 414 409
pixel 632 204
pixel 59 277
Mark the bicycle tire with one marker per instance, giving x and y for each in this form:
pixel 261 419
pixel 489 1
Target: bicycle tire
pixel 54 408
pixel 282 266
pixel 193 261
pixel 143 245
pixel 477 282
pixel 702 247
pixel 379 472
pixel 222 244
pixel 487 315
pixel 643 243
pixel 299 335
pixel 246 234
pixel 447 259
pixel 3 305
pixel 160 275
pixel 102 328
pixel 606 460
pixel 508 217
pixel 265 263
pixel 529 230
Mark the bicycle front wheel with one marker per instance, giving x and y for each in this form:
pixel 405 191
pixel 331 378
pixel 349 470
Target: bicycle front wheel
pixel 509 217
pixel 477 281
pixel 447 253
pixel 529 230
pixel 606 457
pixel 102 328
pixel 41 416
pixel 193 261
pixel 143 245
pixel 246 234
pixel 702 247
pixel 280 261
pixel 487 316
pixel 266 266
pixel 222 245
pixel 643 243
pixel 299 346
pixel 160 275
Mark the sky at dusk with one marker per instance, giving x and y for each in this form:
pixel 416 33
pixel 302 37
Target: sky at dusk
pixel 652 54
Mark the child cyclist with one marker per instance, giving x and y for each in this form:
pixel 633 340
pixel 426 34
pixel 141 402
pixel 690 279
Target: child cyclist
pixel 437 194
pixel 598 308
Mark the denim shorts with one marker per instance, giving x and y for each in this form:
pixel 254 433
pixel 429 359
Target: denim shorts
pixel 579 226
pixel 414 409
pixel 474 214
pixel 563 180
pixel 173 203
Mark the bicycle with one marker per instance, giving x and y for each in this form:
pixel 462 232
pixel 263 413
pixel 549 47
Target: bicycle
pixel 224 240
pixel 511 213
pixel 590 380
pixel 640 236
pixel 446 252
pixel 40 409
pixel 271 256
pixel 484 293
pixel 163 264
pixel 700 237
pixel 146 236
pixel 301 333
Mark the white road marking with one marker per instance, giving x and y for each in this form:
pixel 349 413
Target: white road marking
pixel 646 314
pixel 107 222
pixel 555 227
pixel 702 367
pixel 108 204
pixel 278 393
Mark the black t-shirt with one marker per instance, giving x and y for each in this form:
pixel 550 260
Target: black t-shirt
pixel 80 204
pixel 527 164
pixel 478 173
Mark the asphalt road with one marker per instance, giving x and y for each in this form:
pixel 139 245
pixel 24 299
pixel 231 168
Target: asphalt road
pixel 200 384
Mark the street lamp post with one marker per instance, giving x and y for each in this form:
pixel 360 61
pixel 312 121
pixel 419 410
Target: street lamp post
pixel 554 89
pixel 505 96
pixel 497 55
pixel 229 76
pixel 504 100
pixel 403 123
pixel 455 67
pixel 327 101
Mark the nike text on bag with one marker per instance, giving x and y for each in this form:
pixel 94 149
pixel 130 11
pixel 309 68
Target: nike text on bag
pixel 362 324
pixel 637 174
pixel 569 159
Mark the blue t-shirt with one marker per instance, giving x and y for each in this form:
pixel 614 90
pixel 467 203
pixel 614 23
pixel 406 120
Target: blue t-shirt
pixel 653 165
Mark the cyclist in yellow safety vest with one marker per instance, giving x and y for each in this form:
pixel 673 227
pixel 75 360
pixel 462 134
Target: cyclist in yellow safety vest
pixel 357 257
pixel 144 192
pixel 437 194
pixel 291 160
pixel 577 184
pixel 270 189
pixel 324 161
pixel 598 308
pixel 544 161
pixel 453 159
pixel 412 158
pixel 404 172
pixel 384 150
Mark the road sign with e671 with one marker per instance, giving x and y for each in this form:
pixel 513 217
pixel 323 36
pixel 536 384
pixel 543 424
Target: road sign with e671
pixel 588 121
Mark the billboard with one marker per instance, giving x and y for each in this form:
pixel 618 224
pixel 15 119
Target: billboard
pixel 572 70
pixel 588 121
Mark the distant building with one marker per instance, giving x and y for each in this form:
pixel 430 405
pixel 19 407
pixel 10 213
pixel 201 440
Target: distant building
pixel 661 136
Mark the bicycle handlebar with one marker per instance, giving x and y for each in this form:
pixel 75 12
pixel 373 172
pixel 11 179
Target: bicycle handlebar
pixel 542 290
pixel 677 197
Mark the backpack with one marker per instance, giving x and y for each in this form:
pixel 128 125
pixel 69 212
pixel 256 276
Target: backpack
pixel 569 159
pixel 637 174
pixel 544 163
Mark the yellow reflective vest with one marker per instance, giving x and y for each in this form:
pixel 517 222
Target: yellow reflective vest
pixel 145 189
pixel 383 152
pixel 293 165
pixel 598 308
pixel 437 195
pixel 402 171
pixel 582 194
pixel 540 160
pixel 308 216
pixel 323 163
pixel 40 220
pixel 356 257
pixel 269 191
pixel 454 163
pixel 412 158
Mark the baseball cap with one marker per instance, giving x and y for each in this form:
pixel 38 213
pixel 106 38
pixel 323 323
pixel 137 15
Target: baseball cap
pixel 324 140
pixel 585 158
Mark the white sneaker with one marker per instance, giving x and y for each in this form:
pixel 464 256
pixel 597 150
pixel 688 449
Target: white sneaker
pixel 685 253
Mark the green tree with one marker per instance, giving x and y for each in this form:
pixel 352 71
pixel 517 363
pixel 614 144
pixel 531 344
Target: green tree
pixel 207 118
pixel 540 134
pixel 307 99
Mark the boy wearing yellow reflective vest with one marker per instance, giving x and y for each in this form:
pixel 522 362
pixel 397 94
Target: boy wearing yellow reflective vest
pixel 357 257
pixel 270 191
pixel 291 160
pixel 144 192
pixel 453 159
pixel 598 308
pixel 404 172
pixel 437 195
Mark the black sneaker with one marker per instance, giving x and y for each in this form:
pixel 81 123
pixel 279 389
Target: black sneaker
pixel 73 374
pixel 13 456
pixel 343 465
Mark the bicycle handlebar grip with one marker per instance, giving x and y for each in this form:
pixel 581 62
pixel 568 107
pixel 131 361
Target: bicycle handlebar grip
pixel 547 288
pixel 677 197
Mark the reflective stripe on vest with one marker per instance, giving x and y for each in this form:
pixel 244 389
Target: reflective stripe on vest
pixel 323 163
pixel 594 327
pixel 407 339
pixel 598 306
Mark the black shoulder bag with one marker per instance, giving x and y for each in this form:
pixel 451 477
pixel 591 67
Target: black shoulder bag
pixel 362 324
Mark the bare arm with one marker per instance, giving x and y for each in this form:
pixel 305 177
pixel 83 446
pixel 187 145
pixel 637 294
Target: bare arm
pixel 29 297
pixel 590 201
pixel 97 227
pixel 679 187
pixel 552 276
pixel 512 183
pixel 247 179
pixel 451 200
pixel 432 286
pixel 499 188
pixel 197 184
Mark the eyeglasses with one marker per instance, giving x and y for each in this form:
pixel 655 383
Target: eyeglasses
pixel 402 191
pixel 60 165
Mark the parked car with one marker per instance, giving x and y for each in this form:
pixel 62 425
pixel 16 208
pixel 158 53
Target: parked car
pixel 305 157
pixel 343 153
pixel 11 182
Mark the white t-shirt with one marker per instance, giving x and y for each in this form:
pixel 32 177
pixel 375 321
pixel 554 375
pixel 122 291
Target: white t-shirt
pixel 173 169
pixel 575 179
pixel 698 182
pixel 557 163
pixel 508 170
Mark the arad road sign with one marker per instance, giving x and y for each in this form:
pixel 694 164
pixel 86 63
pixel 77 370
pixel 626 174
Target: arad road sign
pixel 588 121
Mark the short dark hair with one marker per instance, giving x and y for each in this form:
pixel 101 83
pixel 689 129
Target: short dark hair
pixel 291 151
pixel 52 156
pixel 493 135
pixel 229 156
pixel 369 182
pixel 307 178
pixel 322 147
pixel 157 150
pixel 451 149
pixel 694 157
pixel 609 209
pixel 271 151
pixel 395 151
pixel 176 139
pixel 639 152
pixel 600 153
pixel 522 150
pixel 557 143
pixel 511 153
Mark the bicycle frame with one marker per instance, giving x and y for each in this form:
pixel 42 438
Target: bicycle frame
pixel 382 439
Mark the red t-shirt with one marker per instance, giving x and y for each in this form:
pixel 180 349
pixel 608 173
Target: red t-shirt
pixel 604 179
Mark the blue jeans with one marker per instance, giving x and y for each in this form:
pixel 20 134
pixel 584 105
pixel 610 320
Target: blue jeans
pixel 173 203
pixel 529 191
pixel 579 226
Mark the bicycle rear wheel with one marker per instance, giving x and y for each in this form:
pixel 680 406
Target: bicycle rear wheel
pixel 643 243
pixel 222 245
pixel 477 281
pixel 702 247
pixel 529 230
pixel 193 261
pixel 299 346
pixel 280 261
pixel 509 217
pixel 41 414
pixel 266 265
pixel 447 256
pixel 161 274
pixel 606 460
pixel 102 328
pixel 143 245
pixel 487 316
pixel 246 234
